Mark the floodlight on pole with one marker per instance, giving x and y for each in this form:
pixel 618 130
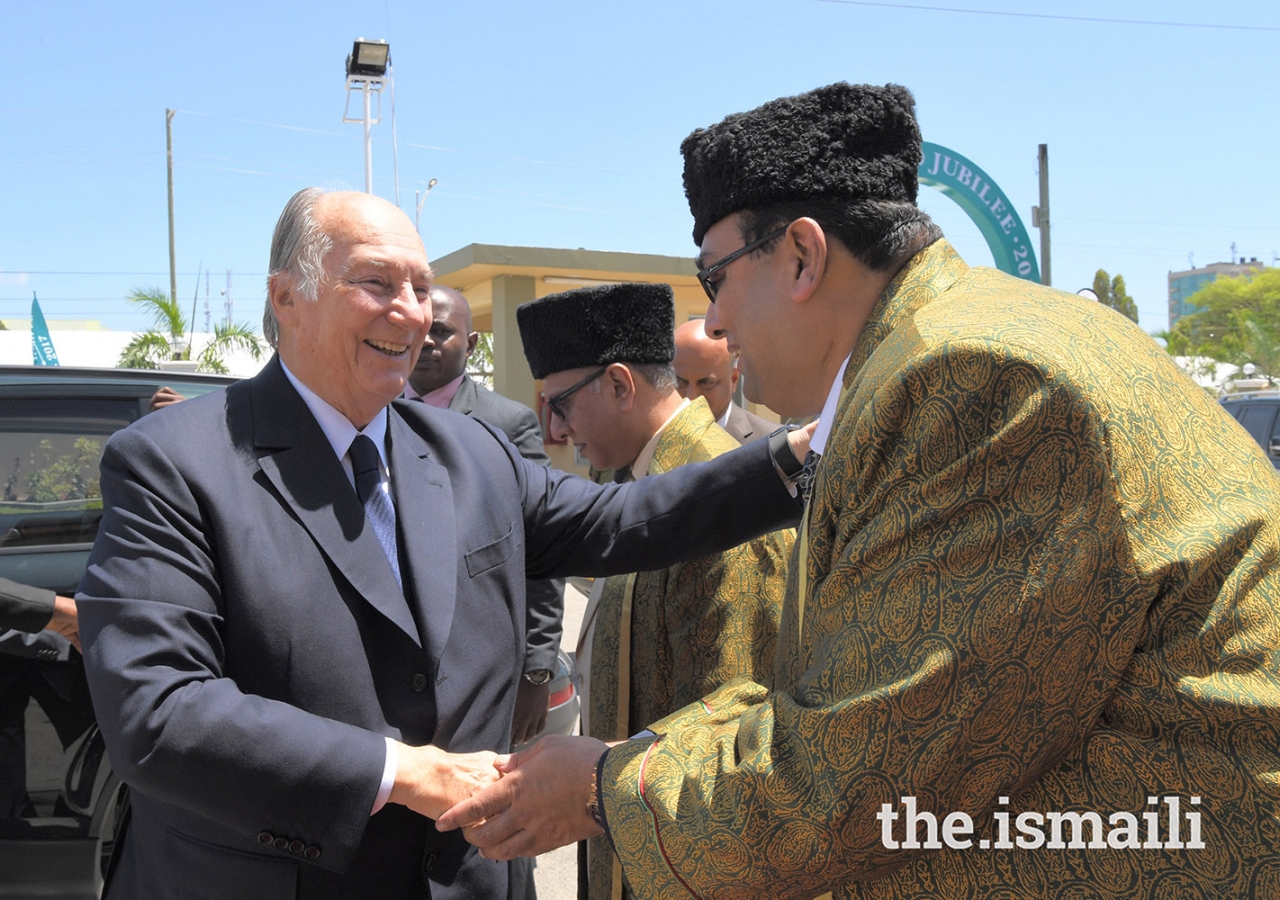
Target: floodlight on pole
pixel 368 67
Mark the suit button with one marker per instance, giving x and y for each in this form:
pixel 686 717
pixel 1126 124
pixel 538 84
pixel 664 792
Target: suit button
pixel 312 852
pixel 419 682
pixel 266 837
pixel 281 843
pixel 296 846
pixel 429 862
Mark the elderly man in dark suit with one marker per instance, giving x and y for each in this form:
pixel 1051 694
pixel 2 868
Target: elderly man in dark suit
pixel 440 379
pixel 705 368
pixel 303 617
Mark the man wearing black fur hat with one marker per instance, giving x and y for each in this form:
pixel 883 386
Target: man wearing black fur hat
pixel 1032 646
pixel 651 642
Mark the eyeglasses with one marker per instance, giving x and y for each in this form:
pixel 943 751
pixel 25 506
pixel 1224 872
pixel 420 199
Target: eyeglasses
pixel 705 275
pixel 556 403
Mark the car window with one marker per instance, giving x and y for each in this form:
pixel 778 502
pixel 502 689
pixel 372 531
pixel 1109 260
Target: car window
pixel 49 454
pixel 1257 420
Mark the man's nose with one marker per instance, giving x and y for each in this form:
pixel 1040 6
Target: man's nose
pixel 408 311
pixel 556 425
pixel 711 324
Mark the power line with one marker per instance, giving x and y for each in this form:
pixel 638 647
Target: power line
pixel 1024 15
pixel 54 272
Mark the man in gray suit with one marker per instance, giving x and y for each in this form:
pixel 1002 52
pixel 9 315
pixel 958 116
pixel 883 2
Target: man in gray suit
pixel 704 368
pixel 303 616
pixel 440 379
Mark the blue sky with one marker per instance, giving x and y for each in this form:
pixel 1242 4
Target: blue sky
pixel 558 124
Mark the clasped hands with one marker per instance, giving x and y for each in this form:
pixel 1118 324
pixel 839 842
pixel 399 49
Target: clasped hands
pixel 522 804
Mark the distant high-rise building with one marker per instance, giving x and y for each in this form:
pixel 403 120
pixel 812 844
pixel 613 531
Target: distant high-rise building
pixel 1183 284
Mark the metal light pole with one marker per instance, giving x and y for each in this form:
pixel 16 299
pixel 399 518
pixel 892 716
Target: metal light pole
pixel 1040 214
pixel 173 266
pixel 417 216
pixel 367 72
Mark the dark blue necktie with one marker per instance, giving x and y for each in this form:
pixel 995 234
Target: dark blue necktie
pixel 366 466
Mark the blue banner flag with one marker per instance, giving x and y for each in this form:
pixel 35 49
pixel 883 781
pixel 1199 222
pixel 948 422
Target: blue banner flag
pixel 42 352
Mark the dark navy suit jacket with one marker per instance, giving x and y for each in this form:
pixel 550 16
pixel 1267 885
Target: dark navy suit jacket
pixel 545 599
pixel 248 648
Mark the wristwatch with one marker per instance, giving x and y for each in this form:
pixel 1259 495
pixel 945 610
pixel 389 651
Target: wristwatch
pixel 538 677
pixel 783 456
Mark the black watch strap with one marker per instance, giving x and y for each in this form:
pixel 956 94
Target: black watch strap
pixel 783 457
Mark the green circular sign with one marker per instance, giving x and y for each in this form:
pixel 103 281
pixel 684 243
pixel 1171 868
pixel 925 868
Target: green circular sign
pixel 981 198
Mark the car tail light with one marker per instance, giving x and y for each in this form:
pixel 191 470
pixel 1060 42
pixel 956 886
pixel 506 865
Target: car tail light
pixel 564 695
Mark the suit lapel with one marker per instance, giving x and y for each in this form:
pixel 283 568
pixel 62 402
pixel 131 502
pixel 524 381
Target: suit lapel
pixel 464 399
pixel 298 460
pixel 425 516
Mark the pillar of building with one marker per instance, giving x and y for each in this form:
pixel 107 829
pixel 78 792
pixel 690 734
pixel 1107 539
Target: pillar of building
pixel 511 375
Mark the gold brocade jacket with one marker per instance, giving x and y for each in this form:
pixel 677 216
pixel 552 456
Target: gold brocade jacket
pixel 665 638
pixel 1042 594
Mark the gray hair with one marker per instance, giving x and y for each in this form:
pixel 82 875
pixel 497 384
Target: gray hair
pixel 298 249
pixel 660 376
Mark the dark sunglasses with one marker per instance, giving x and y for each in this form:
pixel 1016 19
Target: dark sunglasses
pixel 705 275
pixel 556 403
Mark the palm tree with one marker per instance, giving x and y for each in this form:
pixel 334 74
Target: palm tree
pixel 167 339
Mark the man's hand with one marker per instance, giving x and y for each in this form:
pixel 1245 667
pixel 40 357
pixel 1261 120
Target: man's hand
pixel 540 803
pixel 166 396
pixel 65 621
pixel 800 438
pixel 531 711
pixel 430 780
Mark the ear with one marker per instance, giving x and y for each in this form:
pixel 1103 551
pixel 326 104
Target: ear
pixel 283 297
pixel 806 245
pixel 620 382
pixel 471 343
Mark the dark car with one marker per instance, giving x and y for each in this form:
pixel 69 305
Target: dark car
pixel 54 424
pixel 1256 412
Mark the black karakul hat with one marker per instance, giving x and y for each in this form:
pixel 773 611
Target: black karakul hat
pixel 632 322
pixel 840 142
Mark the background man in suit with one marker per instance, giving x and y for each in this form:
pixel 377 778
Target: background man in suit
pixel 32 609
pixel 705 368
pixel 1037 582
pixel 37 630
pixel 303 616
pixel 653 641
pixel 440 379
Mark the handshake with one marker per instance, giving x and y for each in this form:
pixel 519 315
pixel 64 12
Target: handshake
pixel 518 805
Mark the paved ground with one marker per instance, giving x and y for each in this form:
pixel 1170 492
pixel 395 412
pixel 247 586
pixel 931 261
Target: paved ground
pixel 557 873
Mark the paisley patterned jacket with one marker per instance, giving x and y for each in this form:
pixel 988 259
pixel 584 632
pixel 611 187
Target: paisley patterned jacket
pixel 1042 579
pixel 667 637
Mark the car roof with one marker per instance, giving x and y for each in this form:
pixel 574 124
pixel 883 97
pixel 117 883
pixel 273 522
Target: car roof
pixel 1272 396
pixel 101 381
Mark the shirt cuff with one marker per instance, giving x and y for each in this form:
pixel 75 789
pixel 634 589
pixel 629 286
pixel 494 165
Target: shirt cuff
pixel 388 776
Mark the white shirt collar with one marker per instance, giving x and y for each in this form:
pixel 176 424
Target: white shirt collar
pixel 820 434
pixel 338 428
pixel 723 421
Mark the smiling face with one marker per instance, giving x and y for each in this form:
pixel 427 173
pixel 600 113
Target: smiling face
pixel 357 343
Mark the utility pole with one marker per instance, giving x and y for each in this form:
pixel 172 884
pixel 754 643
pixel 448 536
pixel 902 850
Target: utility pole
pixel 173 265
pixel 1040 215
